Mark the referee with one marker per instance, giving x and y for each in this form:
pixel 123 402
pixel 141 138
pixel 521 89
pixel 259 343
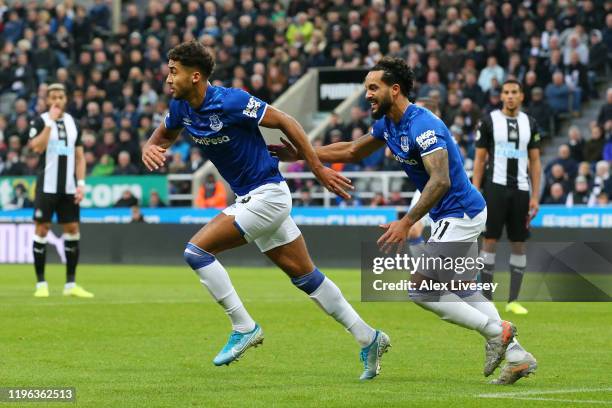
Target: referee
pixel 59 187
pixel 509 142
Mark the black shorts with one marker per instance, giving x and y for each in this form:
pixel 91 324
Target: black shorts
pixel 509 207
pixel 45 205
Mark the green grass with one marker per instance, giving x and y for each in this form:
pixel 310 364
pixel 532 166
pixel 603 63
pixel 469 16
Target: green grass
pixel 148 338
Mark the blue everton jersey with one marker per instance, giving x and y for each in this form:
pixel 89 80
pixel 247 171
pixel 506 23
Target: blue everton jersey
pixel 226 126
pixel 418 134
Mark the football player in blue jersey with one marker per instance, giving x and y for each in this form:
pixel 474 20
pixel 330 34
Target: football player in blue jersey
pixel 421 142
pixel 224 121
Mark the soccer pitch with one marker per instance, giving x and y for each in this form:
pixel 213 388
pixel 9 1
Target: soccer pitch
pixel 148 338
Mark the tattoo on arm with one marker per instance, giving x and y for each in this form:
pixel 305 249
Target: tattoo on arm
pixel 436 165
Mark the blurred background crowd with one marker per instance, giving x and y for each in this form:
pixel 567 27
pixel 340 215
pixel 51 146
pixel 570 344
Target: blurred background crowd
pixel 461 51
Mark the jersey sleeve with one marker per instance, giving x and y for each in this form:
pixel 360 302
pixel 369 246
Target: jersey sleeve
pixel 241 107
pixel 484 134
pixel 535 139
pixel 36 126
pixel 172 120
pixel 378 129
pixel 428 136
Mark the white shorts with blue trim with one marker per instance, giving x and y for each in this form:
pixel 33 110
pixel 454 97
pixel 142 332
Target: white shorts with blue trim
pixel 263 217
pixel 464 229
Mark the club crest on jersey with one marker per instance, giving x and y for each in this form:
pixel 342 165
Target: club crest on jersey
pixel 215 123
pixel 404 144
pixel 427 139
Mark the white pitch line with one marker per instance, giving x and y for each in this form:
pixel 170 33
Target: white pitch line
pixel 526 395
pixel 563 400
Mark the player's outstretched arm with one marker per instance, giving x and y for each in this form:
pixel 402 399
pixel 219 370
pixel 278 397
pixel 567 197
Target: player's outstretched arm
pixel 340 152
pixel 153 152
pixel 332 180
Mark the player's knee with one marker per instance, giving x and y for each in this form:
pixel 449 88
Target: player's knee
pixel 41 230
pixel 309 282
pixel 71 229
pixel 196 257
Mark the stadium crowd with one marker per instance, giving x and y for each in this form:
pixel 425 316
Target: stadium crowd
pixel 461 51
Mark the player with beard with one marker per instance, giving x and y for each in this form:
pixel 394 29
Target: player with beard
pixel 224 121
pixel 424 146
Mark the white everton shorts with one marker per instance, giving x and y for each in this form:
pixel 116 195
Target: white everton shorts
pixel 263 217
pixel 464 229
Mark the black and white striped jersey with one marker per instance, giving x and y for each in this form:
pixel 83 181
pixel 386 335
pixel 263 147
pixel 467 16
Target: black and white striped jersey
pixel 508 140
pixel 56 171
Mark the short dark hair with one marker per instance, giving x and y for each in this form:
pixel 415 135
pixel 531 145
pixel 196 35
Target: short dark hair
pixel 194 54
pixel 513 81
pixel 396 71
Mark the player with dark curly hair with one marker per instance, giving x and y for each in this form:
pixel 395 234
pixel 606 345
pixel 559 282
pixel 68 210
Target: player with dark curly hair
pixel 424 146
pixel 225 122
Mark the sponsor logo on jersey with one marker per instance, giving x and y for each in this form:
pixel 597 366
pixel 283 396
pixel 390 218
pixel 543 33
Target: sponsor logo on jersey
pixel 427 139
pixel 404 144
pixel 411 162
pixel 215 123
pixel 207 141
pixel 59 147
pixel 509 151
pixel 252 108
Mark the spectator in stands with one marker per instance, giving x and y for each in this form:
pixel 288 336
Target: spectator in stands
pixel 378 200
pixel 605 113
pixel 575 143
pixel 584 170
pixel 305 199
pixel 396 199
pixel 124 165
pixel 541 111
pixel 470 114
pixel 557 195
pixel 490 72
pixel 127 200
pixel 602 182
pixel 557 175
pixel 580 194
pixel 593 148
pixel 211 194
pixel 105 167
pixel 570 166
pixel 12 165
pixel 603 200
pixel 472 90
pixel 155 200
pixel 195 160
pixel 433 83
pixel 20 199
pixel 558 95
pixel 137 216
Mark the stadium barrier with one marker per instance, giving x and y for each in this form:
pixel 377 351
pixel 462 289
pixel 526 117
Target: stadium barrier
pixel 157 244
pixel 100 192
